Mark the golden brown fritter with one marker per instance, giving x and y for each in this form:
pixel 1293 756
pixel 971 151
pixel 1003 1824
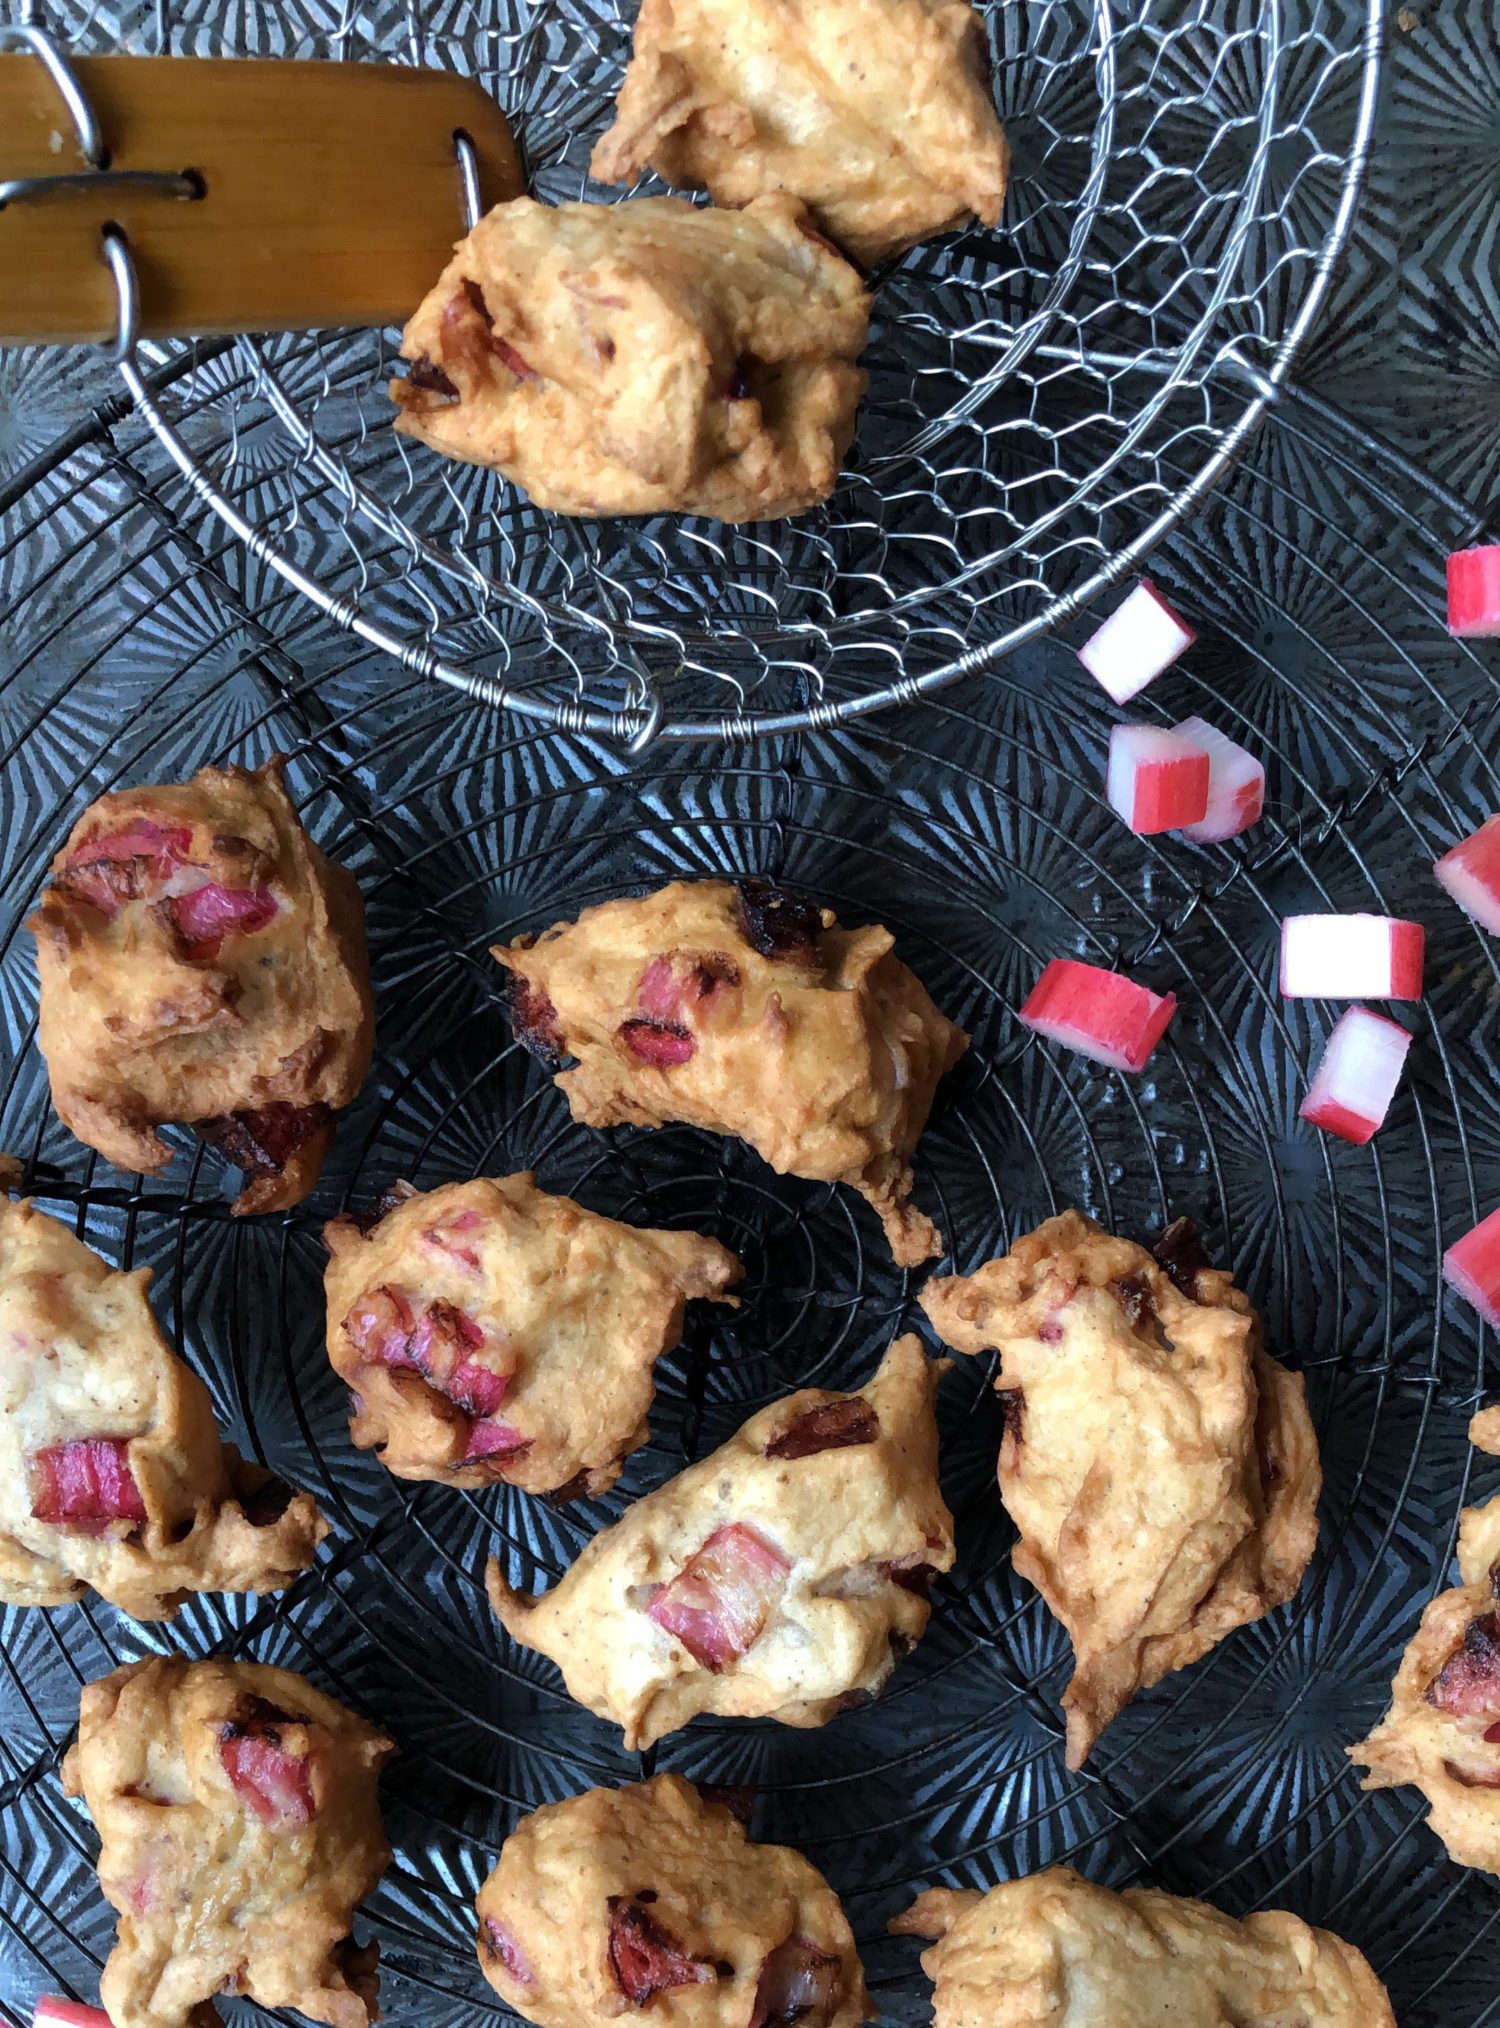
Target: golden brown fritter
pixel 239 1825
pixel 111 1469
pixel 601 1903
pixel 1442 1732
pixel 1054 1951
pixel 201 961
pixel 1161 1468
pixel 877 113
pixel 782 1577
pixel 491 1331
pixel 643 358
pixel 742 1009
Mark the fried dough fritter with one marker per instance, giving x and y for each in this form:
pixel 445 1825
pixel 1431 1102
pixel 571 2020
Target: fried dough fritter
pixel 490 1331
pixel 112 1474
pixel 1160 1466
pixel 877 113
pixel 201 961
pixel 1442 1732
pixel 781 1577
pixel 599 1903
pixel 1055 1951
pixel 643 358
pixel 239 1825
pixel 742 1009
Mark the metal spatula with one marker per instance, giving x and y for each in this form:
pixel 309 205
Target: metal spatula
pixel 254 195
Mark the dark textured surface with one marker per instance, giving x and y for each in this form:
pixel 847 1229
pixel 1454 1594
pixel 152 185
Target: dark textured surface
pixel 132 650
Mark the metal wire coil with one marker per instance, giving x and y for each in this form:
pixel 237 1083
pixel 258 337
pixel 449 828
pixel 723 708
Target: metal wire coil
pixel 1046 400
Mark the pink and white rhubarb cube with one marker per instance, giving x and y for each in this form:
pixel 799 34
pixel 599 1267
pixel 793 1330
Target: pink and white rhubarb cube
pixel 1357 1076
pixel 1103 1015
pixel 1351 957
pixel 1471 874
pixel 1472 1266
pixel 1236 784
pixel 1157 781
pixel 1138 640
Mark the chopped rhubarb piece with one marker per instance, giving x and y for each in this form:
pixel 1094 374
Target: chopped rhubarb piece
pixel 1138 640
pixel 493 1440
pixel 799 1981
pixel 719 1602
pixel 1351 957
pixel 1157 781
pixel 498 1945
pixel 777 923
pixel 1357 1076
pixel 264 1141
pixel 533 1020
pixel 1012 1402
pixel 1236 784
pixel 273 1778
pixel 1472 1266
pixel 673 987
pixel 380 1327
pixel 1471 874
pixel 662 1043
pixel 448 1236
pixel 1474 593
pixel 475 1388
pixel 646 1958
pixel 86 1484
pixel 1102 1015
pixel 831 1426
pixel 1468 1684
pixel 513 359
pixel 431 379
pixel 54 2013
pixel 1473 1778
pixel 126 865
pixel 205 917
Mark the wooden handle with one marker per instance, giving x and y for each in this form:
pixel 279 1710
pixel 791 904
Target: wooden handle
pixel 331 193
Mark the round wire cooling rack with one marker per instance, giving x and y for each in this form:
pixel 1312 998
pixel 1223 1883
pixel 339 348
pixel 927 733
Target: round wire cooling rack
pixel 1047 400
pixel 974 826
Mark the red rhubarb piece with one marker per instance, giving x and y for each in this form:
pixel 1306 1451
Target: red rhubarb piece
pixel 493 1440
pixel 672 988
pixel 54 2013
pixel 1138 640
pixel 1474 593
pixel 126 865
pixel 263 1141
pixel 1468 1684
pixel 1357 1076
pixel 1351 957
pixel 203 918
pixel 646 1958
pixel 799 1982
pixel 1158 780
pixel 719 1602
pixel 380 1327
pixel 1236 785
pixel 270 1776
pixel 533 1019
pixel 1472 1266
pixel 778 923
pixel 662 1043
pixel 450 1236
pixel 86 1484
pixel 831 1426
pixel 475 1388
pixel 1471 874
pixel 1102 1015
pixel 498 1942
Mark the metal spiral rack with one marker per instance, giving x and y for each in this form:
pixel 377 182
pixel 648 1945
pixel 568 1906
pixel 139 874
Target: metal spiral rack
pixel 1046 401
pixel 139 639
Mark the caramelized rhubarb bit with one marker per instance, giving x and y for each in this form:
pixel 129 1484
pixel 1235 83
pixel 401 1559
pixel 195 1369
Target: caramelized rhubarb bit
pixel 799 1981
pixel 1472 1778
pixel 646 1958
pixel 1133 1294
pixel 274 1779
pixel 831 1426
pixel 86 1484
pixel 264 1507
pixel 1181 1255
pixel 262 1142
pixel 912 1575
pixel 1468 1684
pixel 662 1043
pixel 533 1020
pixel 202 919
pixel 126 865
pixel 497 1945
pixel 719 1602
pixel 778 924
pixel 430 379
pixel 1013 1410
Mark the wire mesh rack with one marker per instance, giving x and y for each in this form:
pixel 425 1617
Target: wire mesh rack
pixel 973 825
pixel 1046 400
